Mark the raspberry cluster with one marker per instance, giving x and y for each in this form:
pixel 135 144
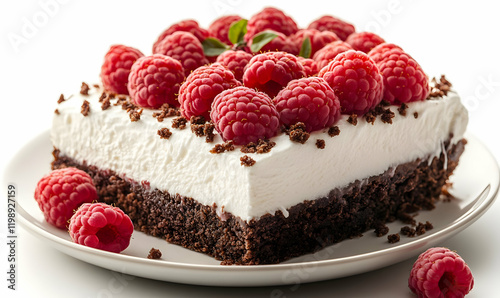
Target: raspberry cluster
pixel 305 75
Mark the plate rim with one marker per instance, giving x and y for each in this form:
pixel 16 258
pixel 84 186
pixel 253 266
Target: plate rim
pixel 481 203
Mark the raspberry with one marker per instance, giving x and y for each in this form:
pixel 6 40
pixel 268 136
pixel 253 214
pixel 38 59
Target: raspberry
pixel 184 47
pixel 155 80
pixel 440 272
pixel 318 39
pixel 243 115
pixel 328 52
pixel 377 52
pixel 270 72
pixel 220 28
pixel 116 67
pixel 310 101
pixel 190 26
pixel 356 80
pixel 364 41
pixel 201 87
pixel 101 226
pixel 61 192
pixel 280 43
pixel 330 23
pixel 404 79
pixel 310 66
pixel 235 61
pixel 270 18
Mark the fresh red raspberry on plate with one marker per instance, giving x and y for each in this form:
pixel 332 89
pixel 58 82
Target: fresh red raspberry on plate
pixel 235 61
pixel 220 28
pixel 377 53
pixel 116 67
pixel 201 87
pixel 310 101
pixel 328 52
pixel 270 18
pixel 155 80
pixel 318 39
pixel 356 81
pixel 186 48
pixel 364 41
pixel 244 115
pixel 330 23
pixel 190 26
pixel 280 43
pixel 101 226
pixel 310 66
pixel 404 79
pixel 440 272
pixel 270 72
pixel 61 192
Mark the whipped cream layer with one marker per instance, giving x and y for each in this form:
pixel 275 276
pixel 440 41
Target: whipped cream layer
pixel 289 174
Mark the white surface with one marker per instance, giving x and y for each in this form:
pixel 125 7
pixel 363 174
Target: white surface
pixel 476 183
pixel 67 46
pixel 134 149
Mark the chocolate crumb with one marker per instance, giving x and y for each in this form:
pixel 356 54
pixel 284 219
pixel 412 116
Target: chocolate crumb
pixel 164 133
pixel 353 119
pixel 387 116
pixel 179 122
pixel 204 130
pixel 247 161
pixel 320 144
pixel 420 229
pixel 61 99
pixel 262 146
pixel 297 133
pixel 197 120
pixel 408 231
pixel 370 117
pixel 85 108
pixel 381 230
pixel 84 90
pixel 56 111
pixel 154 254
pixel 428 226
pixel 96 86
pixel 166 111
pixel 105 103
pixel 221 148
pixel 439 89
pixel 393 238
pixel 135 114
pixel 333 131
pixel 402 109
pixel 415 115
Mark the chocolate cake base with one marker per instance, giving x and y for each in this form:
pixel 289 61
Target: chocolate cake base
pixel 310 226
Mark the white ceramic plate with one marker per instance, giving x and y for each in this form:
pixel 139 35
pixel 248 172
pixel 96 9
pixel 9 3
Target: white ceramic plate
pixel 476 183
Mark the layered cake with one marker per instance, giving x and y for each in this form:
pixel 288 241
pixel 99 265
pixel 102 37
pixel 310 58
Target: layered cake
pixel 185 171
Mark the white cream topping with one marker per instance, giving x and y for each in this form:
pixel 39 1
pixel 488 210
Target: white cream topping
pixel 280 179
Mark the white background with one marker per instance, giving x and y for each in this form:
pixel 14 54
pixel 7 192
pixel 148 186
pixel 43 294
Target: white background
pixel 49 47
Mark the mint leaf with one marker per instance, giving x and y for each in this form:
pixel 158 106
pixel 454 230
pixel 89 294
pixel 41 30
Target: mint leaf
pixel 261 40
pixel 237 31
pixel 306 48
pixel 213 47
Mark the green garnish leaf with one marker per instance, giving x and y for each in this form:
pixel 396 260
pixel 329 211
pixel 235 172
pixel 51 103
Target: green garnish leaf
pixel 306 48
pixel 261 39
pixel 237 31
pixel 213 47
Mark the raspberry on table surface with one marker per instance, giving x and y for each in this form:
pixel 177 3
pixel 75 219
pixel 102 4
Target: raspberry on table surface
pixel 61 192
pixel 101 226
pixel 155 80
pixel 440 272
pixel 116 67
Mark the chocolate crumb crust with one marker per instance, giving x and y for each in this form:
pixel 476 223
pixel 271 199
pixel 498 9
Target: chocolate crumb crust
pixel 85 108
pixel 393 238
pixel 247 161
pixel 310 226
pixel 164 133
pixel 84 90
pixel 154 254
pixel 353 119
pixel 320 144
pixel 381 230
